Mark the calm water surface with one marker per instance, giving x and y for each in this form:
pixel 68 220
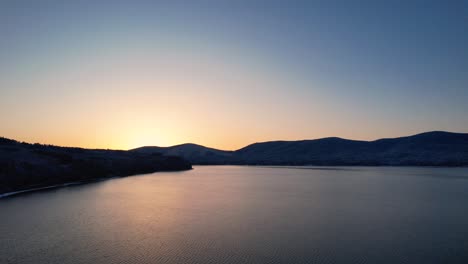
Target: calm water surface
pixel 228 214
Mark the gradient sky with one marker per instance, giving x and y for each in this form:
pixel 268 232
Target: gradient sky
pixel 122 74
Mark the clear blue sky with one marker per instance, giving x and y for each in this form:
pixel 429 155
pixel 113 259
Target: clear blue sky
pixel 121 74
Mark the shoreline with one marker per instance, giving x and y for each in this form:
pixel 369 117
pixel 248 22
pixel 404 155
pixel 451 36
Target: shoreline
pixel 9 194
pixel 312 167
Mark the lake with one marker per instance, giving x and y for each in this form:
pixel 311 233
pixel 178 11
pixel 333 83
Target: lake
pixel 241 214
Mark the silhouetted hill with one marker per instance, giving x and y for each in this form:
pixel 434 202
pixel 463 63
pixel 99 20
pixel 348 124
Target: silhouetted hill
pixel 427 149
pixel 193 152
pixel 25 166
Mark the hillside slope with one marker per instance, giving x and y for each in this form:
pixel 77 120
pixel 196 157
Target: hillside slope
pixel 25 166
pixel 196 154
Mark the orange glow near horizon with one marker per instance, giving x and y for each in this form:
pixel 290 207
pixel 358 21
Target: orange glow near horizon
pixel 223 74
pixel 126 97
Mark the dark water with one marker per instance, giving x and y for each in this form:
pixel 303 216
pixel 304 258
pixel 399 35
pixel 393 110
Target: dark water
pixel 245 215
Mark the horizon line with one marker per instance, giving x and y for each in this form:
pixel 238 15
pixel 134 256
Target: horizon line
pixel 258 142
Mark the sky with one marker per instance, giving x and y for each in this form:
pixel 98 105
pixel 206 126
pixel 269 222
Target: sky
pixel 225 74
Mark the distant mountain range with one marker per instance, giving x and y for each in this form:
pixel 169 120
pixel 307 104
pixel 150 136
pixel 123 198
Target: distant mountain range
pixel 426 149
pixel 25 166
